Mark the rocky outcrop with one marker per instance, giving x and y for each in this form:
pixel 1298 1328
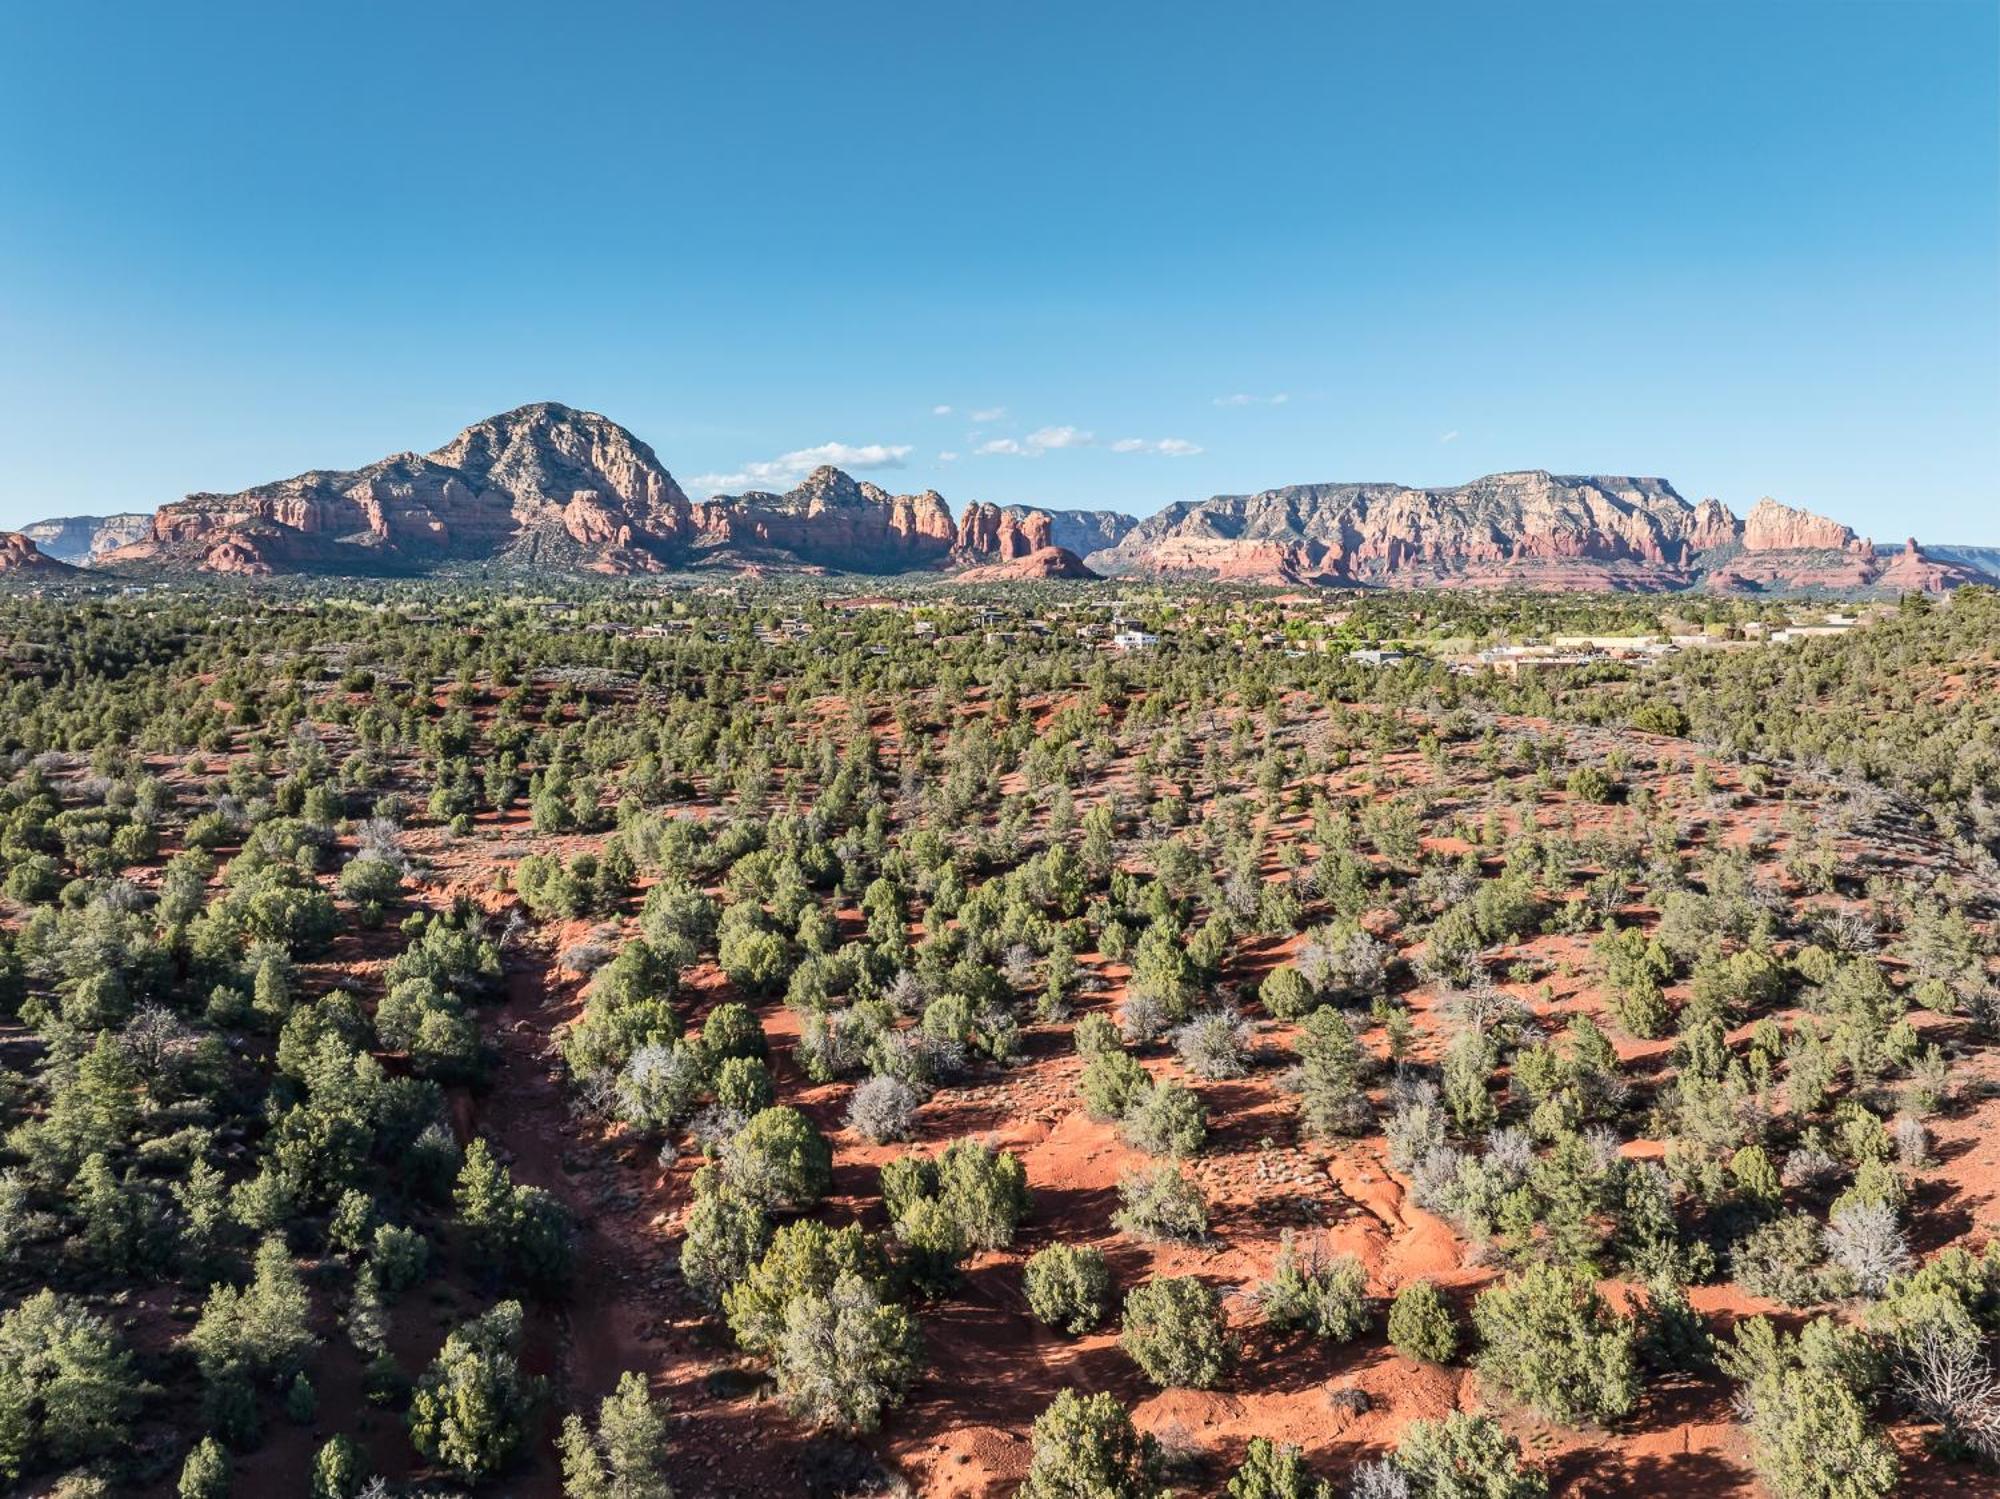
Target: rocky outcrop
pixel 1041 563
pixel 1912 570
pixel 548 486
pixel 1528 529
pixel 80 539
pixel 1088 531
pixel 990 532
pixel 1772 527
pixel 543 484
pixel 19 556
pixel 1389 533
pixel 830 520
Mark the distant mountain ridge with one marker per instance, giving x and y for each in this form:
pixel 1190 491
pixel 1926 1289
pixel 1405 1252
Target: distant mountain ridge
pixel 549 486
pixel 1528 529
pixel 1984 561
pixel 80 539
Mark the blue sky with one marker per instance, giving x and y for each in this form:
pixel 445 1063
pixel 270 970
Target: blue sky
pixel 1141 252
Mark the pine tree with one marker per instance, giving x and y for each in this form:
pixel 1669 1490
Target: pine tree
pixel 626 1458
pixel 205 1474
pixel 470 1410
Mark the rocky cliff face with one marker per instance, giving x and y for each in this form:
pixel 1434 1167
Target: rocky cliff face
pixel 550 486
pixel 1088 531
pixel 20 556
pixel 831 520
pixel 1529 529
pixel 1772 527
pixel 544 483
pixel 988 532
pixel 1042 562
pixel 80 539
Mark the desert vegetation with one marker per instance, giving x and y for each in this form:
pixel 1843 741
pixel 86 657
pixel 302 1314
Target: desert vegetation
pixel 745 1039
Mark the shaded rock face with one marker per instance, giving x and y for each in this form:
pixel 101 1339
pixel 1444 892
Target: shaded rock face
pixel 543 483
pixel 19 555
pixel 81 539
pixel 1042 562
pixel 1982 562
pixel 1088 531
pixel 988 531
pixel 830 520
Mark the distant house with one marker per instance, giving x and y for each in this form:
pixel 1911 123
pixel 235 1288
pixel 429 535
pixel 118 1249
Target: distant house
pixel 1134 640
pixel 1377 656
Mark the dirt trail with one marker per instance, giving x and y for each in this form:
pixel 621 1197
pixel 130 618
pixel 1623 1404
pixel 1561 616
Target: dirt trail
pixel 627 1309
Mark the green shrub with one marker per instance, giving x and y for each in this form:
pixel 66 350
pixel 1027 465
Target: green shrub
pixel 1068 1287
pixel 1421 1324
pixel 1085 1447
pixel 1275 1470
pixel 1168 1119
pixel 1160 1203
pixel 1173 1331
pixel 1549 1339
pixel 1326 1297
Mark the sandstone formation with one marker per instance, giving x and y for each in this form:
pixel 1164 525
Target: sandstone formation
pixel 830 520
pixel 19 555
pixel 81 539
pixel 542 484
pixel 1772 527
pixel 1530 529
pixel 549 486
pixel 988 531
pixel 1042 562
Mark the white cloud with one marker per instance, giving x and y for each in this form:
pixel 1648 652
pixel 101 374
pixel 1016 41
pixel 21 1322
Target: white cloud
pixel 947 458
pixel 940 411
pixel 1451 436
pixel 1243 398
pixel 1172 447
pixel 988 414
pixel 788 468
pixel 1043 439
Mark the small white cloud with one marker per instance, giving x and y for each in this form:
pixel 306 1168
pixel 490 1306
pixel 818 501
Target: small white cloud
pixel 947 458
pixel 788 468
pixel 989 414
pixel 1172 447
pixel 1041 440
pixel 940 411
pixel 1451 436
pixel 1045 439
pixel 1243 398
